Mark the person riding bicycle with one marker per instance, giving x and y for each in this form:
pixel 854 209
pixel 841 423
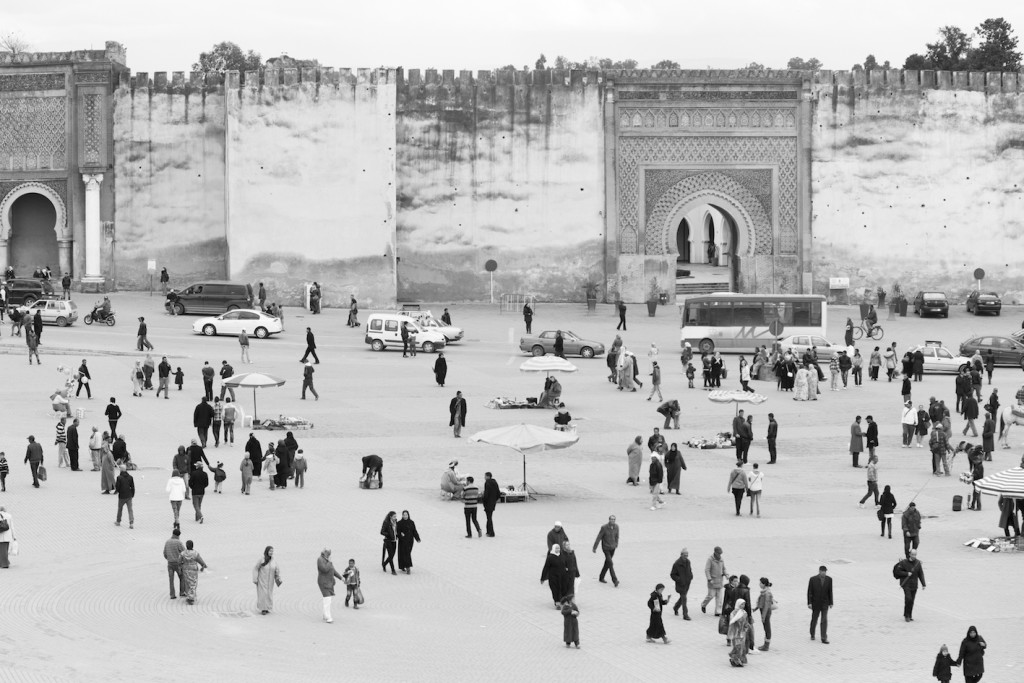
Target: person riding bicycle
pixel 871 320
pixel 101 310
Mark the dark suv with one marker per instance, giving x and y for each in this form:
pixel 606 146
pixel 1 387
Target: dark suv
pixel 934 303
pixel 212 297
pixel 24 291
pixel 984 302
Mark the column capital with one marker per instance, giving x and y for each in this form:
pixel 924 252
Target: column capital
pixel 92 180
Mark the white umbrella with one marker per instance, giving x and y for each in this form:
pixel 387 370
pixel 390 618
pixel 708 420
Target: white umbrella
pixel 525 439
pixel 736 397
pixel 256 380
pixel 547 364
pixel 1008 483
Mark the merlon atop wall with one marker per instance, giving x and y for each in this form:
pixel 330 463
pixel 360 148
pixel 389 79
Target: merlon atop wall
pixel 255 80
pixel 114 52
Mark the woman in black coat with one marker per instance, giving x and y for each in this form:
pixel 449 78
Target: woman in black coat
pixel 887 503
pixel 674 464
pixel 440 369
pixel 554 573
pixel 252 447
pixel 972 656
pixel 407 535
pixel 656 603
pixel 389 530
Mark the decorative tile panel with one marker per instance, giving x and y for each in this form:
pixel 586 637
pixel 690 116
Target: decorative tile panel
pixel 22 82
pixel 33 135
pixel 91 132
pixel 693 118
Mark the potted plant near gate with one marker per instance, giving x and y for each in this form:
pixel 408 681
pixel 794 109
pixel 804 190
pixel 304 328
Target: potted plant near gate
pixel 652 297
pixel 590 288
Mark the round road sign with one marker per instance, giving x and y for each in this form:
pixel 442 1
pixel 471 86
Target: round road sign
pixel 979 273
pixel 775 327
pixel 491 266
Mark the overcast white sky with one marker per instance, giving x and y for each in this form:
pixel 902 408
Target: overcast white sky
pixel 484 34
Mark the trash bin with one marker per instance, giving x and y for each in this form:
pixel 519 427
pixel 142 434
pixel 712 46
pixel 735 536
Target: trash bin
pixel 958 502
pixel 903 308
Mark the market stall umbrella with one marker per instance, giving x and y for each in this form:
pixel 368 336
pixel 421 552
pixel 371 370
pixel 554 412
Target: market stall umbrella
pixel 547 364
pixel 1008 483
pixel 256 380
pixel 525 439
pixel 736 397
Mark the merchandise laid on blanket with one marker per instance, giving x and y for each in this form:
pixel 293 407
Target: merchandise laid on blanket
pixel 505 403
pixel 721 440
pixel 999 544
pixel 284 422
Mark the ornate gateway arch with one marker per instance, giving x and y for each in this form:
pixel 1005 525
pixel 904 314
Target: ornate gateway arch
pixel 735 140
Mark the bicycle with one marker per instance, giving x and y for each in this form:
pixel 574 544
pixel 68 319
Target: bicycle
pixel 861 331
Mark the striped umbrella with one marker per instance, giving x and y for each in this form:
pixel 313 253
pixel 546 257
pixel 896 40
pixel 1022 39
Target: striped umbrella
pixel 1008 483
pixel 547 364
pixel 736 397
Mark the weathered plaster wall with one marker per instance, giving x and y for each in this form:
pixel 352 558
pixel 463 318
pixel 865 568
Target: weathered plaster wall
pixel 169 174
pixel 311 184
pixel 509 168
pixel 918 178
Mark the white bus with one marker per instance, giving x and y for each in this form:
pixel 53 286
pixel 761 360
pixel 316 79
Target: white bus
pixel 740 322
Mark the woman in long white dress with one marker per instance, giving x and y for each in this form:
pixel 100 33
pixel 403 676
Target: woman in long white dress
pixel 800 384
pixel 812 384
pixel 266 575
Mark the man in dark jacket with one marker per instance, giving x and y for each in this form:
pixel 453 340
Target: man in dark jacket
pixel 226 371
pixel 608 539
pixel 73 445
pixel 490 498
pixel 310 347
pixel 910 573
pixel 457 410
pixel 208 374
pixel 969 408
pixel 773 434
pixel 34 458
pixel 163 374
pixel 819 601
pixel 682 574
pixel 963 388
pixel 373 466
pixel 83 380
pixel 37 326
pixel 198 483
pixel 202 418
pixel 143 336
pixel 845 363
pixel 871 435
pixel 125 487
pixel 656 475
pixel 556 536
pixel 196 457
pixel 911 523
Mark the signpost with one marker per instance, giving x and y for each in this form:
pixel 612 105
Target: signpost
pixel 979 275
pixel 490 267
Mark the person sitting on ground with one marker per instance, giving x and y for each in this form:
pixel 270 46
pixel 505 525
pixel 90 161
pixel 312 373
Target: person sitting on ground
pixel 562 418
pixel 451 483
pixel 550 397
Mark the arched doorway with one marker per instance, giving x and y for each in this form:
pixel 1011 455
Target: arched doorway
pixel 33 239
pixel 683 241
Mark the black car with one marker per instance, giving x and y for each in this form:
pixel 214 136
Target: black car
pixel 1007 350
pixel 25 291
pixel 931 303
pixel 984 302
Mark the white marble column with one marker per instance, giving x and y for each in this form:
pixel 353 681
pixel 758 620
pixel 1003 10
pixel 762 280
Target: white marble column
pixel 93 227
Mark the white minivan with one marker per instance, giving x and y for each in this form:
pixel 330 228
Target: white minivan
pixel 384 330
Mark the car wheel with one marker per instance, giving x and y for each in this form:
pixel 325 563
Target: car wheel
pixel 29 300
pixel 706 346
pixel 261 333
pixel 537 350
pixel 179 309
pixel 428 347
pixel 232 307
pixel 587 352
pixel 111 320
pixel 62 321
pixel 997 313
pixel 209 330
pixel 946 314
pixel 377 345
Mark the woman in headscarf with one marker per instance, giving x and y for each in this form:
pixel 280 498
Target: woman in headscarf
pixel 440 369
pixel 972 656
pixel 451 482
pixel 716 370
pixel 555 573
pixel 107 465
pixel 325 576
pixel 266 575
pixel 635 456
pixel 252 447
pixel 407 536
pixel 675 464
pixel 848 336
pixel 571 624
pixel 624 368
pixel 800 391
pixel 293 448
pixel 812 382
pixel 137 377
pixel 191 564
pixel 246 469
pixel 389 530
pixel 283 463
pixel 656 626
pixel 738 623
pixel 270 465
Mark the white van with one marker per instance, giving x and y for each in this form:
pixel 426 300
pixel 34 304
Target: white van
pixel 426 320
pixel 384 330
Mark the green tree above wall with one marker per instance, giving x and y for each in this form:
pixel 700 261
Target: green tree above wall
pixel 954 51
pixel 812 64
pixel 227 56
pixel 665 64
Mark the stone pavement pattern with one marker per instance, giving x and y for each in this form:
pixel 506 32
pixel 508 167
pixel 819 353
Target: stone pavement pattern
pixel 88 601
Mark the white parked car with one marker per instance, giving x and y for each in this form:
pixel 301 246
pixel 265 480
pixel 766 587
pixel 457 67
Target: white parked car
pixel 938 358
pixel 800 344
pixel 427 321
pixel 384 330
pixel 60 312
pixel 255 323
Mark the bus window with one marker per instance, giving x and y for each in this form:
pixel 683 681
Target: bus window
pixel 802 313
pixel 748 314
pixel 696 313
pixel 780 311
pixel 720 313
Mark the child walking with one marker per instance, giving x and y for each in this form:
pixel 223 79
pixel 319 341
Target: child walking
pixel 179 378
pixel 4 469
pixel 570 617
pixel 351 578
pixel 270 465
pixel 300 465
pixel 218 477
pixel 691 372
pixel 943 665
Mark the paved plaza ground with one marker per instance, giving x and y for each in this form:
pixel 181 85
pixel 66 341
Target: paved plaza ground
pixel 87 600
